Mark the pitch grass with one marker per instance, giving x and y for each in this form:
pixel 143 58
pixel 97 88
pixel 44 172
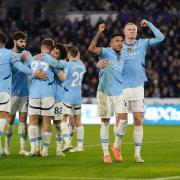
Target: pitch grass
pixel 161 152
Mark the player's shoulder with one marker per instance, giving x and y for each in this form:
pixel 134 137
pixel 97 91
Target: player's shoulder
pixel 142 41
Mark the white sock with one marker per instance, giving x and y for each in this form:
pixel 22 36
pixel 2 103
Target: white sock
pixel 65 133
pixel 22 131
pixel 138 136
pixel 58 138
pixel 32 131
pixel 119 132
pixel 80 136
pixel 72 130
pixel 39 138
pixel 2 125
pixel 8 134
pixel 46 136
pixel 104 135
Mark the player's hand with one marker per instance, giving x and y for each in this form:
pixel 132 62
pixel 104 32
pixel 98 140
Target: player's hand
pixel 101 27
pixel 38 56
pixel 25 56
pixel 40 75
pixel 144 23
pixel 102 64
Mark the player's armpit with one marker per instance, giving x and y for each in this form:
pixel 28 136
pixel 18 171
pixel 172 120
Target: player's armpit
pixel 40 75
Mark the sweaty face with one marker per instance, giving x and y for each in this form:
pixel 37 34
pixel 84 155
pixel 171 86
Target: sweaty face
pixel 117 43
pixel 20 44
pixel 130 31
pixel 55 53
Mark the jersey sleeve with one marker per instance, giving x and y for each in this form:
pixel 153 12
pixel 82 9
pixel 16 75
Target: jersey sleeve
pixel 15 61
pixel 104 53
pixel 53 62
pixel 159 37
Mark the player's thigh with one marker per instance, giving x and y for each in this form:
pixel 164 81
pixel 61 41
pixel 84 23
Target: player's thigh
pixel 67 109
pixel 137 106
pixel 104 105
pixel 23 104
pixel 47 106
pixel 14 105
pixel 5 102
pixel 34 107
pixel 121 104
pixel 58 111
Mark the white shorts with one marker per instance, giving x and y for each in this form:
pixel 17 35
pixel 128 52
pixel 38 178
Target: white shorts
pixel 72 110
pixel 134 99
pixel 58 106
pixel 5 102
pixel 19 104
pixel 43 107
pixel 108 105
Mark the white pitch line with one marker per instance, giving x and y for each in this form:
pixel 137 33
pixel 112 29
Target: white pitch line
pixel 145 142
pixel 167 178
pixel 83 178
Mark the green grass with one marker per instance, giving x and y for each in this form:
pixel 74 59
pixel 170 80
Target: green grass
pixel 161 152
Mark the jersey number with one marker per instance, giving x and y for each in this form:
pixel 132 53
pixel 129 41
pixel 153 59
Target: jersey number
pixel 78 77
pixel 35 64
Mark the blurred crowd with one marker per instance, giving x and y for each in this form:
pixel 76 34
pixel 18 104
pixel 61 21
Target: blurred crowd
pixel 163 62
pixel 125 5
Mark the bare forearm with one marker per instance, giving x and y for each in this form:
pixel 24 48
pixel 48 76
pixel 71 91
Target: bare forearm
pixel 93 46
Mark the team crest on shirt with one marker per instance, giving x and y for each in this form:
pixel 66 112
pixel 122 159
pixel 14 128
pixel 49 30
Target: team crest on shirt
pixel 129 50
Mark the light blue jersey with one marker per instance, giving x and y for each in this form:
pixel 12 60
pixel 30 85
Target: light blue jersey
pixel 20 85
pixel 58 87
pixel 74 73
pixel 110 78
pixel 134 59
pixel 40 88
pixel 8 60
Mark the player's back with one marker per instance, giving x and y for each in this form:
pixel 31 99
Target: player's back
pixel 74 71
pixel 20 86
pixel 42 88
pixel 6 57
pixel 134 63
pixel 110 78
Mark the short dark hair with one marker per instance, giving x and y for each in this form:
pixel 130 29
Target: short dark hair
pixel 62 49
pixel 19 35
pixel 48 42
pixel 73 50
pixel 3 38
pixel 117 34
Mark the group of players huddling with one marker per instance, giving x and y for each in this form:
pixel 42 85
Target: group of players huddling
pixel 48 86
pixel 44 87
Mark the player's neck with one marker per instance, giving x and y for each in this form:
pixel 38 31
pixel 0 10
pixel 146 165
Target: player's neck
pixel 15 49
pixel 2 45
pixel 130 41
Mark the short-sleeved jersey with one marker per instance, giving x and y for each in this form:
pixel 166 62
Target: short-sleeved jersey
pixel 133 74
pixel 8 60
pixel 20 85
pixel 74 71
pixel 40 88
pixel 110 78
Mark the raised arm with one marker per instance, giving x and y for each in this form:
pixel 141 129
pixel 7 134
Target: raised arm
pixel 159 37
pixel 93 46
